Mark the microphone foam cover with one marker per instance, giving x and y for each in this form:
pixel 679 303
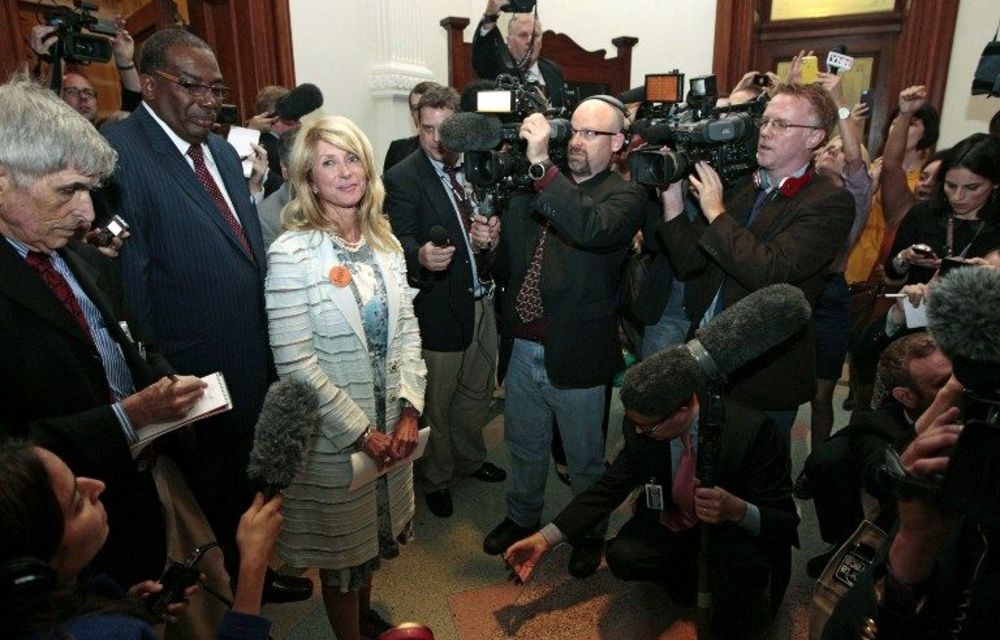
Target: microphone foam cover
pixel 461 132
pixel 287 419
pixel 438 236
pixel 963 313
pixel 298 102
pixel 753 326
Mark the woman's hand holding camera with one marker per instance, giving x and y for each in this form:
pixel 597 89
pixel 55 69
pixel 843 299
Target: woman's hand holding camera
pixel 174 610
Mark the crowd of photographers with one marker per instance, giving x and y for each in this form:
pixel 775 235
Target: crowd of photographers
pixel 528 249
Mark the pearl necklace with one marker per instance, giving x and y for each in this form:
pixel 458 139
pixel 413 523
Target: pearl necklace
pixel 350 246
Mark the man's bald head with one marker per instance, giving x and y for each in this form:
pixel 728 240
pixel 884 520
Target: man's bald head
pixel 79 94
pixel 597 136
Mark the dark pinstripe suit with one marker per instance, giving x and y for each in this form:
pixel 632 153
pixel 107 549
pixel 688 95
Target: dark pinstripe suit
pixel 189 280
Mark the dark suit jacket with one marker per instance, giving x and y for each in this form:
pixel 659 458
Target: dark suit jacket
pixel 753 464
pixel 489 53
pixel 56 393
pixel 416 200
pixel 591 226
pixel 186 275
pixel 655 290
pixel 398 151
pixel 870 436
pixel 792 240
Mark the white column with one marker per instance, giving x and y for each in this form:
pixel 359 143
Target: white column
pixel 399 64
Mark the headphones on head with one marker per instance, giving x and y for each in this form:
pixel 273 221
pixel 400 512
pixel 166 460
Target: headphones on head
pixel 611 100
pixel 25 577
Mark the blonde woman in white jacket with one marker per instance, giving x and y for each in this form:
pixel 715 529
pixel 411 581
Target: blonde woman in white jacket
pixel 340 316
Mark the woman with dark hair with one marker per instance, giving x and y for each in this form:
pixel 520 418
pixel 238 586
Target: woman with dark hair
pixel 54 524
pixel 961 218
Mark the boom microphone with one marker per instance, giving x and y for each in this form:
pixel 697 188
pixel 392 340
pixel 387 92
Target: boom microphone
pixel 287 420
pixel 963 319
pixel 298 102
pixel 461 132
pixel 761 321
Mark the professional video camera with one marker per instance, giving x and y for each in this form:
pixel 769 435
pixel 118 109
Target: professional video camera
pixel 75 46
pixel 494 154
pixel 725 137
pixel 519 6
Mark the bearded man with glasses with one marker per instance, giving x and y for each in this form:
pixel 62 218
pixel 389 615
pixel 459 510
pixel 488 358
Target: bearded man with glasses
pixel 195 263
pixel 562 247
pixel 783 223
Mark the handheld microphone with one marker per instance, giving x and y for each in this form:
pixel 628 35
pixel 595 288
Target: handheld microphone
pixel 438 236
pixel 298 102
pixel 287 419
pixel 461 132
pixel 761 321
pixel 833 68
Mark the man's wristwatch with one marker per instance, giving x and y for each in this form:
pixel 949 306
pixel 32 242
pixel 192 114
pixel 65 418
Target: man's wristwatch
pixel 538 170
pixel 843 113
pixel 490 18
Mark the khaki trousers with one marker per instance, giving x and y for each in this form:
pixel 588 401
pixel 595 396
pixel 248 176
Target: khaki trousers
pixel 460 386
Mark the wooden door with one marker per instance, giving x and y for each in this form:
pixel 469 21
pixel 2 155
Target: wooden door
pixel 898 45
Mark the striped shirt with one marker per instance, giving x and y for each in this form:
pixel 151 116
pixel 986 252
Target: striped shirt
pixel 116 370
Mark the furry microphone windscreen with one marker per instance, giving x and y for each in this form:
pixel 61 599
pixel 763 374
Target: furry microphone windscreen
pixel 301 100
pixel 287 420
pixel 963 312
pixel 761 321
pixel 461 132
pixel 754 325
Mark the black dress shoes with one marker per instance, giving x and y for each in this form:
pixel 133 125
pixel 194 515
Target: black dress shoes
pixel 489 472
pixel 280 588
pixel 586 557
pixel 505 534
pixel 439 503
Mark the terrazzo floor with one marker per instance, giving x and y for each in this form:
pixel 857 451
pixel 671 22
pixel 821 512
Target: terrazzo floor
pixel 444 580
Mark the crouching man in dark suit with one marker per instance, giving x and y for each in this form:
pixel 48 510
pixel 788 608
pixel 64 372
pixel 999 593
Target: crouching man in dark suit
pixel 750 511
pixel 78 378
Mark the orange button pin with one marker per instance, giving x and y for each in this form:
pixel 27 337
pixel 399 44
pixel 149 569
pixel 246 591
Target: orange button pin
pixel 340 276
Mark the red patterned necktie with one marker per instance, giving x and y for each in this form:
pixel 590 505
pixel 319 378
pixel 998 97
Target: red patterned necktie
pixel 529 298
pixel 681 516
pixel 42 263
pixel 205 178
pixel 465 209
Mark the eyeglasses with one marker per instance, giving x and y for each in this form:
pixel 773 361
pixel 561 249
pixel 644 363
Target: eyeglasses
pixel 195 89
pixel 646 429
pixel 73 92
pixel 780 125
pixel 590 134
